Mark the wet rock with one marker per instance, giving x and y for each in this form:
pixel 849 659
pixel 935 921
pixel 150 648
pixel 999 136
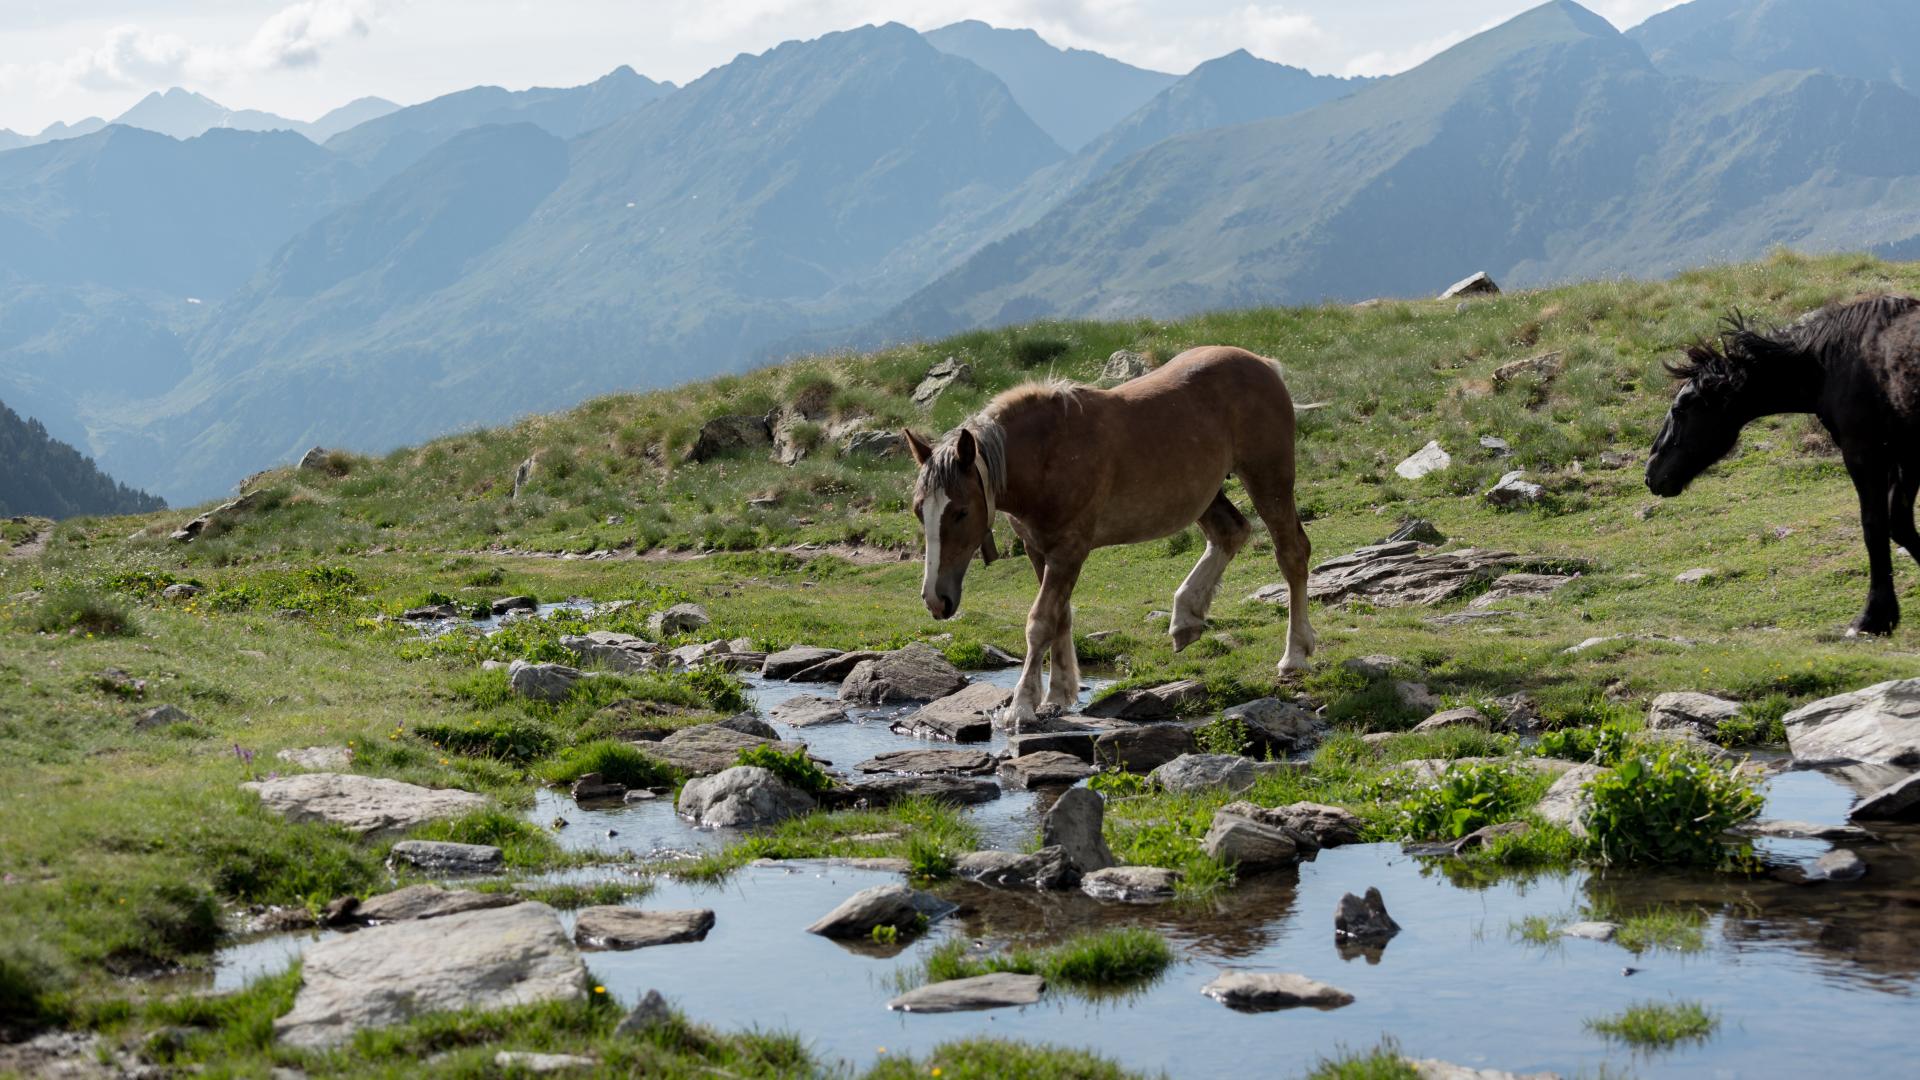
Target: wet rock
pixel 1364 919
pixel 624 653
pixel 1402 574
pixel 834 668
pixel 1144 748
pixel 956 762
pixel 1046 869
pixel 446 857
pixel 427 902
pixel 590 787
pixel 809 710
pixel 318 758
pixel 907 910
pixel 1074 823
pixel 678 619
pixel 1804 830
pixel 1839 864
pixel 611 927
pixel 789 662
pixel 529 1061
pixel 940 376
pixel 749 724
pixel 1515 490
pixel 992 991
pixel 181 591
pixel 1591 931
pixel 1464 717
pixel 1877 725
pixel 1264 991
pixel 513 603
pixel 726 434
pixel 387 975
pixel 161 716
pixel 1567 802
pixel 1205 772
pixel 650 1013
pixel 1124 365
pixel 1430 458
pixel 914 673
pixel 740 796
pixel 1045 768
pixel 959 790
pixel 1480 284
pixel 1077 743
pixel 1896 802
pixel 542 682
pixel 1546 366
pixel 365 805
pixel 1161 702
pixel 1131 884
pixel 1689 711
pixel 962 717
pixel 1239 838
pixel 1327 826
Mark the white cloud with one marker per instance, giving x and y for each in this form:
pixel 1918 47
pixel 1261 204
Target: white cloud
pixel 298 34
pixel 1395 61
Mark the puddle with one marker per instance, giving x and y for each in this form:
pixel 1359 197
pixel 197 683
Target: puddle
pixel 1801 976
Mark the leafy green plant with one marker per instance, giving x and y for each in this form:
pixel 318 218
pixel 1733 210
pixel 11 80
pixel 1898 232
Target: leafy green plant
pixel 1227 735
pixel 1118 783
pixel 928 860
pixel 1598 745
pixel 792 766
pixel 1759 723
pixel 1667 808
pixel 1465 798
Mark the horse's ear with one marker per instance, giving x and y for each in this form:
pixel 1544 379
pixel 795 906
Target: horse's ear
pixel 917 447
pixel 964 448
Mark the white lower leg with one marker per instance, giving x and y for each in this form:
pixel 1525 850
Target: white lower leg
pixel 1026 694
pixel 1300 637
pixel 1195 595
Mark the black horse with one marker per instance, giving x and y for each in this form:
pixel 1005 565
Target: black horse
pixel 1854 365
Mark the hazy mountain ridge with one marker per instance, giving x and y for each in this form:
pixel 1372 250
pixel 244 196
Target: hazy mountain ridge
pixel 1739 40
pixel 1074 95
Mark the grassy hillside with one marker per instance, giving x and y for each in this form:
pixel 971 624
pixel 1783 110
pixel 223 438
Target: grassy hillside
pixel 125 848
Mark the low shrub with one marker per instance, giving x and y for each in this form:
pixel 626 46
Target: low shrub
pixel 1468 797
pixel 1668 808
pixel 1096 960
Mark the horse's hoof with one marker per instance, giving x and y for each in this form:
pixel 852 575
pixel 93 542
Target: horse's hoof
pixel 1290 666
pixel 1186 635
pixel 1012 717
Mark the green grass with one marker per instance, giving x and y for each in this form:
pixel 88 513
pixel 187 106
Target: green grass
pixel 615 761
pixel 1383 1062
pixel 73 608
pixel 1656 1025
pixel 792 766
pixel 994 1059
pixel 1095 963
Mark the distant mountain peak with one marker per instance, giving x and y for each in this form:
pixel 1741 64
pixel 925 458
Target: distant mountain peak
pixel 1073 94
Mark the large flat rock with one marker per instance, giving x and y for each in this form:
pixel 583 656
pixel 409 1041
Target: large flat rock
pixel 1401 574
pixel 993 991
pixel 367 805
pixel 787 663
pixel 613 927
pixel 705 749
pixel 1262 991
pixel 1879 725
pixel 427 902
pixel 962 717
pixel 955 762
pixel 387 975
pixel 809 710
pixel 888 788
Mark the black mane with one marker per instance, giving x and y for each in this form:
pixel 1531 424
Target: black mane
pixel 1832 334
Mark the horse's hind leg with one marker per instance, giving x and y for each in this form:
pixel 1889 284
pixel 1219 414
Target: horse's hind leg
pixel 1272 491
pixel 1906 484
pixel 1226 530
pixel 1063 678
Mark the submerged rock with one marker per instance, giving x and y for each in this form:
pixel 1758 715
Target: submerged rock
pixel 1877 725
pixel 1840 864
pixel 1591 931
pixel 612 927
pixel 992 991
pixel 740 796
pixel 1131 884
pixel 365 805
pixel 1263 991
pixel 387 975
pixel 1433 1069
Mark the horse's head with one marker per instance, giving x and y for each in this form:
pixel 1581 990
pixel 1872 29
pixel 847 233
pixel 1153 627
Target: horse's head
pixel 952 497
pixel 1720 391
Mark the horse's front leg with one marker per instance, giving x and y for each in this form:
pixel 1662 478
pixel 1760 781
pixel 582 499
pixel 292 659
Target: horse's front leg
pixel 1063 680
pixel 1882 614
pixel 1051 611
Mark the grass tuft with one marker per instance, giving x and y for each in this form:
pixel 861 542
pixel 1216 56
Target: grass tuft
pixel 1658 1025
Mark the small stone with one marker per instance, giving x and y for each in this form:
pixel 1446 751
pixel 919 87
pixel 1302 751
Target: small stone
pixel 1131 884
pixel 1514 490
pixel 1262 991
pixel 1124 365
pixel 592 786
pixel 1046 869
pixel 1419 530
pixel 446 857
pixel 678 619
pixel 610 927
pixel 1430 458
pixel 906 910
pixel 527 1061
pixel 1840 864
pixel 181 591
pixel 1591 931
pixel 1190 773
pixel 542 682
pixel 1688 711
pixel 1463 717
pixel 161 716
pixel 651 1012
pixel 992 991
pixel 1479 284
pixel 1363 919
pixel 749 724
pixel 1694 576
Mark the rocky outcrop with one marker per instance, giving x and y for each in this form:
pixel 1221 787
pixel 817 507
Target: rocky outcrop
pixel 1480 284
pixel 387 975
pixel 1688 711
pixel 1162 702
pixel 907 911
pixel 1877 725
pixel 914 673
pixel 789 662
pixel 611 927
pixel 678 619
pixel 1131 884
pixel 446 857
pixel 1205 772
pixel 1263 991
pixel 1403 574
pixel 940 376
pixel 1074 824
pixel 991 991
pixel 220 516
pixel 1513 491
pixel 727 434
pixel 964 716
pixel 542 682
pixel 365 805
pixel 740 796
pixel 873 444
pixel 624 653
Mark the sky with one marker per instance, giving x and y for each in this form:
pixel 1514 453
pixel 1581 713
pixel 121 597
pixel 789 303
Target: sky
pixel 69 59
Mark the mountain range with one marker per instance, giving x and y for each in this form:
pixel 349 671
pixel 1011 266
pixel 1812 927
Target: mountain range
pixel 193 309
pixel 182 114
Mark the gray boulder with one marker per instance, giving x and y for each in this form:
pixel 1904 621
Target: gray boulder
pixel 726 434
pixel 1480 284
pixel 940 376
pixel 1131 884
pixel 1046 869
pixel 513 603
pixel 1896 802
pixel 1567 802
pixel 427 902
pixel 1143 748
pixel 1274 727
pixel 1692 712
pixel 650 1013
pixel 1074 824
pixel 789 662
pixel 1431 458
pixel 624 653
pixel 446 857
pixel 610 927
pixel 1515 490
pixel 1044 768
pixel 834 668
pixel 1363 919
pixel 1251 845
pixel 1263 991
pixel 1839 864
pixel 1877 725
pixel 740 796
pixel 955 762
pixel 1466 716
pixel 181 591
pixel 1161 702
pixel 966 716
pixel 705 749
pixel 1124 365
pixel 387 975
pixel 995 990
pixel 749 724
pixel 873 444
pixel 1327 826
pixel 542 682
pixel 161 716
pixel 365 805
pixel 885 790
pixel 678 619
pixel 914 673
pixel 807 710
pixel 907 910
pixel 1205 772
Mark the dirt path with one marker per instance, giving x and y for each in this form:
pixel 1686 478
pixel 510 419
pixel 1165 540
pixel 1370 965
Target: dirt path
pixel 31 547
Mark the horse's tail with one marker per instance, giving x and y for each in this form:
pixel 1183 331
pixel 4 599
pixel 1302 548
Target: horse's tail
pixel 1281 374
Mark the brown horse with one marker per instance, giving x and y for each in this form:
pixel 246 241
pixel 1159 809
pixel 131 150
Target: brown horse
pixel 1078 468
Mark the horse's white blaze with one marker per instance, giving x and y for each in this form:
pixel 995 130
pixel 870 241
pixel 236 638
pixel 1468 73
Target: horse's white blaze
pixel 930 513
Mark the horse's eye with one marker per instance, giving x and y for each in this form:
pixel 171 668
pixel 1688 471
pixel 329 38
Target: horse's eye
pixel 959 515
